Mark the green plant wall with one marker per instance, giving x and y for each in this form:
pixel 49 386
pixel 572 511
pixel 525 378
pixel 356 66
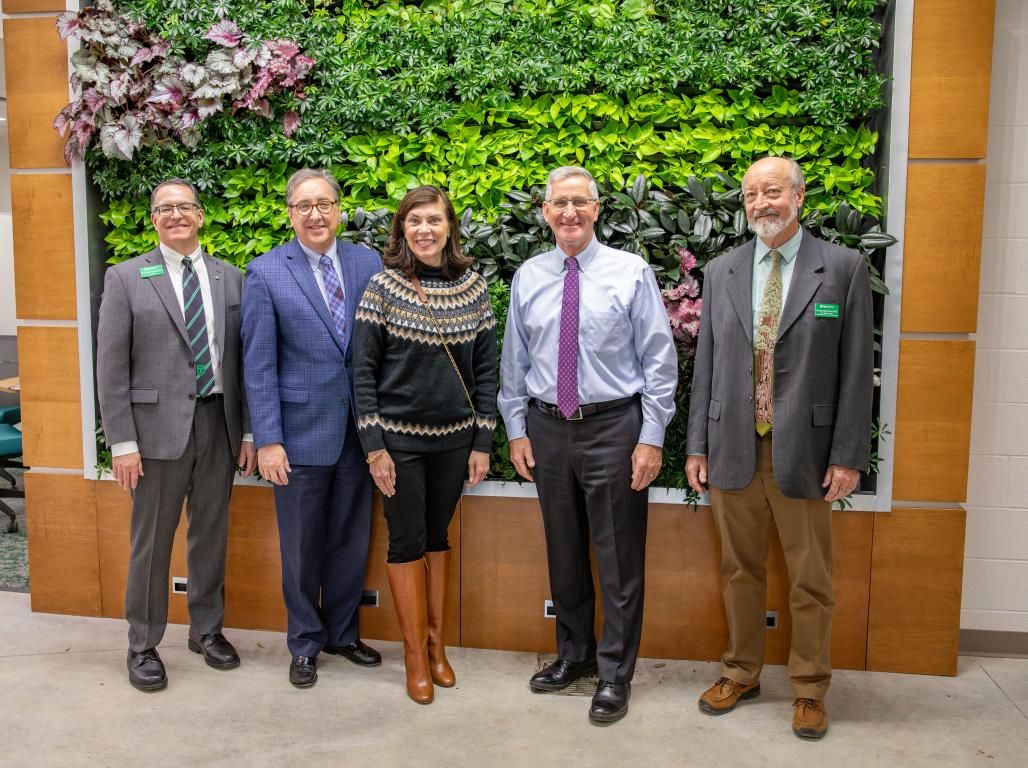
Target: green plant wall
pixel 666 102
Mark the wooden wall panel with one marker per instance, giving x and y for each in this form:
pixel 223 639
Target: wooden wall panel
pixel 942 253
pixel 253 564
pixel 33 6
pixel 951 65
pixel 37 89
pixel 914 622
pixel 62 538
pixel 51 413
pixel 44 246
pixel 684 617
pixel 933 420
pixel 504 580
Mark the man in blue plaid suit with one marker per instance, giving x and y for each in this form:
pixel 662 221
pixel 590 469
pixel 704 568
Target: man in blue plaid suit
pixel 298 312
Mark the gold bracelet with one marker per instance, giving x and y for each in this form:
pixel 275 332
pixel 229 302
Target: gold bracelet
pixel 378 456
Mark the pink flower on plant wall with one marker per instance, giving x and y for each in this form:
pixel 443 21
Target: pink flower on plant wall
pixel 683 303
pixel 225 33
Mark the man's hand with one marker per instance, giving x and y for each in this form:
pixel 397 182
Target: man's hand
pixel 521 457
pixel 646 461
pixel 383 471
pixel 247 458
pixel 127 470
pixel 696 472
pixel 840 482
pixel 273 463
pixel 478 465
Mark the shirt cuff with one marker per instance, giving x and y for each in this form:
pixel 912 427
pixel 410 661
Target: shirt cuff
pixel 124 449
pixel 652 434
pixel 248 437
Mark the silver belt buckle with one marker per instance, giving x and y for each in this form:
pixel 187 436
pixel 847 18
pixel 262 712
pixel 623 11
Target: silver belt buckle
pixel 576 416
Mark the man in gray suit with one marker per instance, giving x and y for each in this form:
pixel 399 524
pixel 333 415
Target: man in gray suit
pixel 780 412
pixel 169 380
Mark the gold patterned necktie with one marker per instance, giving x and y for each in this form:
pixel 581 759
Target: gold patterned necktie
pixel 764 339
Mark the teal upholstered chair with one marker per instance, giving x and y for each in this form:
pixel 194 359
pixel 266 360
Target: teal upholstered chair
pixel 10 448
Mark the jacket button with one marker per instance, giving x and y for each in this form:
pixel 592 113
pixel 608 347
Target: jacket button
pixel 190 363
pixel 750 398
pixel 192 397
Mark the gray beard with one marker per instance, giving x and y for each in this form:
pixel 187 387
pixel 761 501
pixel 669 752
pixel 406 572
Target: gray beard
pixel 768 229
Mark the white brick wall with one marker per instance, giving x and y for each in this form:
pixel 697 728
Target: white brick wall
pixel 995 595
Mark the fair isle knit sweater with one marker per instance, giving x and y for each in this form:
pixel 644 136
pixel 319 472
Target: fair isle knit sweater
pixel 408 395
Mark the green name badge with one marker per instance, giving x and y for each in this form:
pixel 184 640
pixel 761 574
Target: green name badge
pixel 154 271
pixel 201 369
pixel 826 310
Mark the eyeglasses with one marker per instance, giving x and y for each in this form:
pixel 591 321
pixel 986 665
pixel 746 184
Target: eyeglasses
pixel 579 203
pixel 323 206
pixel 166 209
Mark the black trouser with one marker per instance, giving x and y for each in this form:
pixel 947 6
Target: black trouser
pixel 428 486
pixel 583 471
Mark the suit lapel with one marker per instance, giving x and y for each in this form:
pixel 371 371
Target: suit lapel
pixel 216 276
pixel 300 268
pixel 806 279
pixel 162 284
pixel 740 286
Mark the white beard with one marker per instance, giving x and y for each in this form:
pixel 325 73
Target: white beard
pixel 768 228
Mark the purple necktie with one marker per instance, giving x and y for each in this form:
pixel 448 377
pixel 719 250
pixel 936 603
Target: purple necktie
pixel 567 350
pixel 336 300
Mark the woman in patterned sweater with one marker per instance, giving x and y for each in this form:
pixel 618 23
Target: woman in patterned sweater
pixel 425 386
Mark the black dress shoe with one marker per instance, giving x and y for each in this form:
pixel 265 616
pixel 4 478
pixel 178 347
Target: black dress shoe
pixel 357 652
pixel 216 650
pixel 610 702
pixel 303 671
pixel 146 670
pixel 560 674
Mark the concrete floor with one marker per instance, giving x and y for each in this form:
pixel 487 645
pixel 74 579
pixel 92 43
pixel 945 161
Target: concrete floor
pixel 65 701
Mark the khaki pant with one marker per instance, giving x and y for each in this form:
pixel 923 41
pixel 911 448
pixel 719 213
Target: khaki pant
pixel 743 519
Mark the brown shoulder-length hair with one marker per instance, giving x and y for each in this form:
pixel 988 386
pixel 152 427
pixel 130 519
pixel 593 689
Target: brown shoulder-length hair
pixel 398 254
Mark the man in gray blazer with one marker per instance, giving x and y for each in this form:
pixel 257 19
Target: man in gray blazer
pixel 780 428
pixel 169 380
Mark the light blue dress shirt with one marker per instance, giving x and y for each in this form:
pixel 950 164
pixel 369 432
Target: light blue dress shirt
pixel 314 259
pixel 624 345
pixel 762 268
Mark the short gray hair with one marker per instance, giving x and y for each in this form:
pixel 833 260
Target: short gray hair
pixel 306 174
pixel 173 182
pixel 566 172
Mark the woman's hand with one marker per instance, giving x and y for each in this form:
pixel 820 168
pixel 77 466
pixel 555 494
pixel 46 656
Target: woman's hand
pixel 383 471
pixel 478 466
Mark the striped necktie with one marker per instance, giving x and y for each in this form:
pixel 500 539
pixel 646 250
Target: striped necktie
pixel 196 328
pixel 336 299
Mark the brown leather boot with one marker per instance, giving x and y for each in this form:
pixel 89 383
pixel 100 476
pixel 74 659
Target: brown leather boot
pixel 407 583
pixel 438 573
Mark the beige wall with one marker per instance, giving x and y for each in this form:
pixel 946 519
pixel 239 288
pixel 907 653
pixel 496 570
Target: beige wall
pixel 996 555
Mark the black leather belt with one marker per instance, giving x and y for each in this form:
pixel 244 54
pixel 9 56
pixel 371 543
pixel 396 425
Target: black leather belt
pixel 583 410
pixel 215 398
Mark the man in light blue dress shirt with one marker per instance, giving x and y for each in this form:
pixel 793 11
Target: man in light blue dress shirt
pixel 586 397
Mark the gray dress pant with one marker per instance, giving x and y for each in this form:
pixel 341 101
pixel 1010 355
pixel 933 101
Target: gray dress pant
pixel 583 471
pixel 202 477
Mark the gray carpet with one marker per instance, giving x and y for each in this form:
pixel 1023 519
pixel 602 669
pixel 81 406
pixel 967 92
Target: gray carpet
pixel 14 556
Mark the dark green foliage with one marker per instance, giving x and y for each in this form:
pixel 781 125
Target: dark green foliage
pixel 388 69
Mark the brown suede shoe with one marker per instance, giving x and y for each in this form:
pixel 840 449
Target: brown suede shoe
pixel 809 718
pixel 722 696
